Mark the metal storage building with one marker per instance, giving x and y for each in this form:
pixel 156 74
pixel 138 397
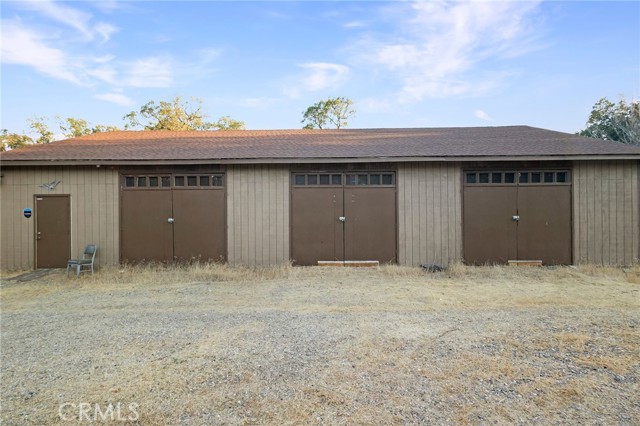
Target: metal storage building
pixel 411 196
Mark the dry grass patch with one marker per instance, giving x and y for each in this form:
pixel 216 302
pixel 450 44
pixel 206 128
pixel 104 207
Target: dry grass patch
pixel 9 274
pixel 161 274
pixel 213 344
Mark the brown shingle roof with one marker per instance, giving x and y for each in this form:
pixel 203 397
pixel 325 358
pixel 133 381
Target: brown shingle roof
pixel 289 145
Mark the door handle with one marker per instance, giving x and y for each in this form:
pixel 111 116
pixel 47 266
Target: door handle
pixel 342 218
pixel 38 235
pixel 516 218
pixel 170 220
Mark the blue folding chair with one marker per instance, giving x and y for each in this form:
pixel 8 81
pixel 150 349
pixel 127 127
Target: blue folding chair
pixel 86 263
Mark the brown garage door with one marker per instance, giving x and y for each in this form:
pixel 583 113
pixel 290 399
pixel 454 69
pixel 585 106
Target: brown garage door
pixel 517 215
pixel 343 216
pixel 173 217
pixel 199 226
pixel 490 233
pixel 53 231
pixel 370 223
pixel 544 228
pixel 146 232
pixel 316 231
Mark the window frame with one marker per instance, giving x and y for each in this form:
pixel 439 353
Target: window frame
pixel 344 183
pixel 137 178
pixel 519 176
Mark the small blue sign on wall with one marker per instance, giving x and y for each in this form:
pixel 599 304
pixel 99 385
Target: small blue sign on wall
pixel 26 213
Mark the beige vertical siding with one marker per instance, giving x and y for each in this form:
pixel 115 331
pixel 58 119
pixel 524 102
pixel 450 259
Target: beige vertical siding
pixel 94 211
pixel 429 213
pixel 257 215
pixel 605 212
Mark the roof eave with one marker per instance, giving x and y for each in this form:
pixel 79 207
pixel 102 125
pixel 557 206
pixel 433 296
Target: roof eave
pixel 107 162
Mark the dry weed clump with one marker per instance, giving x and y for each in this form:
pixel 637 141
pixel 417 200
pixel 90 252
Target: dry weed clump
pixel 394 271
pixel 156 273
pixel 460 272
pixel 633 274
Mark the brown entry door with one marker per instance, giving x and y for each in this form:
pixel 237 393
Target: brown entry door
pixel 53 231
pixel 199 224
pixel 490 233
pixel 544 226
pixel 147 231
pixel 316 230
pixel 370 223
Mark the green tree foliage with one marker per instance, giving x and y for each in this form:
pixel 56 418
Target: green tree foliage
pixel 332 111
pixel 42 133
pixel 39 126
pixel 76 127
pixel 177 115
pixel 100 128
pixel 13 140
pixel 617 122
pixel 228 123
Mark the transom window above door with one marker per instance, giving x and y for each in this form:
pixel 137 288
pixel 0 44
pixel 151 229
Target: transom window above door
pixel 517 177
pixel 349 179
pixel 173 181
pixel 317 179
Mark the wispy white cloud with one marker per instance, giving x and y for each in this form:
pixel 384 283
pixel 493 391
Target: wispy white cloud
pixel 103 59
pixel 443 43
pixel 160 38
pixel 354 24
pixel 116 98
pixel 109 6
pixel 72 17
pixel 61 47
pixel 323 75
pixel 22 46
pixel 316 76
pixel 152 71
pixel 149 72
pixel 482 115
pixel 104 30
pixel 208 55
pixel 105 73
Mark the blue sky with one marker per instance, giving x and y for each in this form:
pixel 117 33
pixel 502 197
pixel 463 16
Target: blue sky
pixel 404 64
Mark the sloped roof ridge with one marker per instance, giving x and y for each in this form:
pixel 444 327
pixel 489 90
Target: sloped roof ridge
pixel 289 145
pixel 151 134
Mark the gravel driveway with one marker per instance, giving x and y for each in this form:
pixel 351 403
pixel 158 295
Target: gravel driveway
pixel 323 346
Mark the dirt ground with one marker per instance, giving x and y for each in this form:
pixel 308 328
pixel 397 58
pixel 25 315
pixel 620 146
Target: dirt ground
pixel 219 345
